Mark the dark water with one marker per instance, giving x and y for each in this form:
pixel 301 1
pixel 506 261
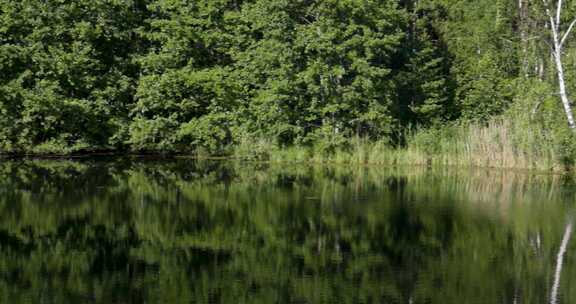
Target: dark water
pixel 212 232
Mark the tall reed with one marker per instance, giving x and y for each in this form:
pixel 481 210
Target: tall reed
pixel 501 143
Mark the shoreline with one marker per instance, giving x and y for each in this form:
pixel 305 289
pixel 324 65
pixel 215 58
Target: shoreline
pixel 313 161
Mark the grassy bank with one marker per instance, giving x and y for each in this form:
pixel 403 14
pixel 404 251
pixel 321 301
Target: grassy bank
pixel 501 143
pixel 504 142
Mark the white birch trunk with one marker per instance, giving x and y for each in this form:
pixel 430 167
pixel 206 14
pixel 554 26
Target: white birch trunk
pixel 563 94
pixel 557 54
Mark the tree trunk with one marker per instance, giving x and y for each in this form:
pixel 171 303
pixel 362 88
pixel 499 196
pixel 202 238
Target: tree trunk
pixel 523 37
pixel 557 54
pixel 563 94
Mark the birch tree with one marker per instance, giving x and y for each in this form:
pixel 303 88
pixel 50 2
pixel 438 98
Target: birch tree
pixel 558 41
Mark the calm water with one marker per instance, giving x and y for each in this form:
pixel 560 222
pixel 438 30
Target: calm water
pixel 211 232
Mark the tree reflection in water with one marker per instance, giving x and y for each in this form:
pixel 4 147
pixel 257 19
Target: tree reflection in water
pixel 183 231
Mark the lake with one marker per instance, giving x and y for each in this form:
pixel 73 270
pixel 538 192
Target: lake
pixel 113 230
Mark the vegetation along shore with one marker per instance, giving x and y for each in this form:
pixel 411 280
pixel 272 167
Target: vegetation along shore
pixel 431 82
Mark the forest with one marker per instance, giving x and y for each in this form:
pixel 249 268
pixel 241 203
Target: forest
pixel 415 81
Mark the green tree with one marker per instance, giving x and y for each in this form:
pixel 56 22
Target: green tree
pixel 184 99
pixel 481 37
pixel 67 71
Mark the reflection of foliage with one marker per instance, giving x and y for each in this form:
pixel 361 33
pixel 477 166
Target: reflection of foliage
pixel 186 231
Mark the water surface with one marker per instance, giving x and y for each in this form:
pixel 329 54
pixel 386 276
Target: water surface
pixel 183 231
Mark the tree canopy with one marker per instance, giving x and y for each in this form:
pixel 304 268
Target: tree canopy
pixel 178 75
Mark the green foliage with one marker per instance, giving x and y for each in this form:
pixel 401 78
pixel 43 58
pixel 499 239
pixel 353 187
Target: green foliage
pixel 152 134
pixel 183 76
pixel 565 144
pixel 67 71
pixel 483 46
pixel 425 83
pixel 209 132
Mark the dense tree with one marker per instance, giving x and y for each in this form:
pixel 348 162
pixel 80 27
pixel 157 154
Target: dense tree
pixel 67 69
pixel 177 75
